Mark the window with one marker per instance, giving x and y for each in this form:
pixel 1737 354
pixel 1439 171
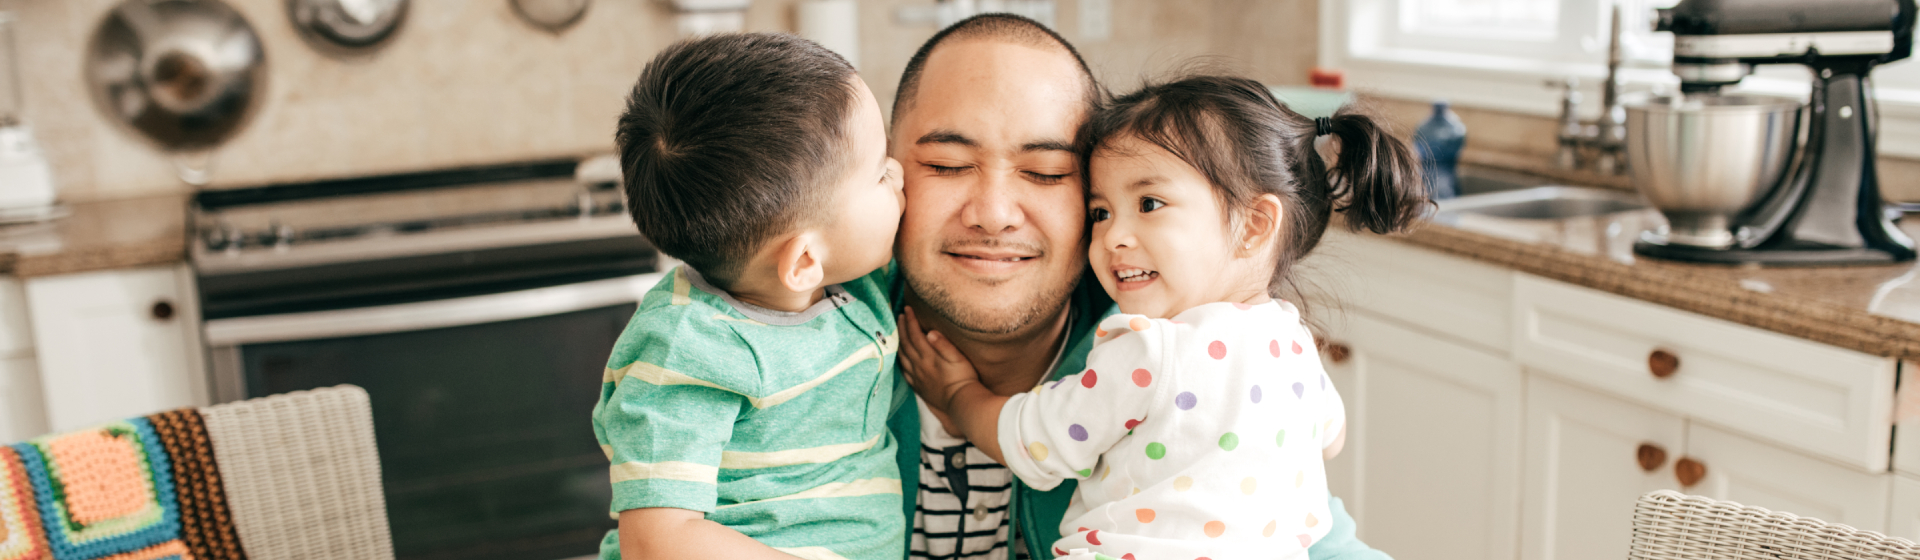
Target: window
pixel 1501 54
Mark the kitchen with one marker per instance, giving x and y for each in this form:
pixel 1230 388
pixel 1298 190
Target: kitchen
pixel 1496 367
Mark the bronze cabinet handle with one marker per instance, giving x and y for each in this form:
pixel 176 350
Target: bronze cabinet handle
pixel 1688 471
pixel 162 310
pixel 1663 364
pixel 1651 457
pixel 1338 353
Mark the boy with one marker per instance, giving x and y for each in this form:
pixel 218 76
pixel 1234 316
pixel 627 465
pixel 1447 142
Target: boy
pixel 744 407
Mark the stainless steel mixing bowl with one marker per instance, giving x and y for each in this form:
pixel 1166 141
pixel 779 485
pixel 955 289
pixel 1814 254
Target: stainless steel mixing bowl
pixel 1701 159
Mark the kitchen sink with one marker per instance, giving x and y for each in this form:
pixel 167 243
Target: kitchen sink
pixel 1513 196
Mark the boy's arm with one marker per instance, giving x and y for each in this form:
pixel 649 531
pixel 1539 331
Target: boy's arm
pixel 672 533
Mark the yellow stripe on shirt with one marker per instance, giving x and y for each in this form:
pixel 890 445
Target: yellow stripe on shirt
pixel 862 487
pixel 769 459
pixel 656 375
pixel 811 553
pixel 868 352
pixel 682 289
pixel 666 470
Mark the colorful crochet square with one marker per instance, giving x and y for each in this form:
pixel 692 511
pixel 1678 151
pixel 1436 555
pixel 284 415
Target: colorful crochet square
pixel 170 550
pixel 206 523
pixel 79 477
pixel 19 522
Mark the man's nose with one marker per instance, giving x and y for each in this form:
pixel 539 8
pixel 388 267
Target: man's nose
pixel 995 206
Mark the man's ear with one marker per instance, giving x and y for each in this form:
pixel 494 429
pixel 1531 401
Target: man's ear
pixel 1261 225
pixel 799 262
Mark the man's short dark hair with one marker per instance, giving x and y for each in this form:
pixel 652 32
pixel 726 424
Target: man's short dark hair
pixel 732 139
pixel 1005 27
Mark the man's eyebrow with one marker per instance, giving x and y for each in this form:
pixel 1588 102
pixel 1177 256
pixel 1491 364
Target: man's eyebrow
pixel 943 136
pixel 1047 146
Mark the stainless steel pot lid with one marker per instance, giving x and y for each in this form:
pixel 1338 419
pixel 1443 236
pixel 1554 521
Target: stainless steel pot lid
pixel 185 74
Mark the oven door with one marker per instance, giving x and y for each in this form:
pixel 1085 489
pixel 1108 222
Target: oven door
pixel 481 407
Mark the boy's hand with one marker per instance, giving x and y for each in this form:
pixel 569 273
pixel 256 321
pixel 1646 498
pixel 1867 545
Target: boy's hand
pixel 936 369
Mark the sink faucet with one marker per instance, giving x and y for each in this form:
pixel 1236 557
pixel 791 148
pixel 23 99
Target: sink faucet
pixel 1606 138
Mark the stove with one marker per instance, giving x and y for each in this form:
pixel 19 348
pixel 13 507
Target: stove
pixel 476 306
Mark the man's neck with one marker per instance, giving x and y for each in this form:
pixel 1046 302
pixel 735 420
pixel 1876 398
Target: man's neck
pixel 1008 363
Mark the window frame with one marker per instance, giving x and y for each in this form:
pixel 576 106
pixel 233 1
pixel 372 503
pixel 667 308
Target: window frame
pixel 1357 37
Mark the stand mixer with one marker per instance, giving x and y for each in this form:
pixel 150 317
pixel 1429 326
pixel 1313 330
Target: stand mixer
pixel 1723 167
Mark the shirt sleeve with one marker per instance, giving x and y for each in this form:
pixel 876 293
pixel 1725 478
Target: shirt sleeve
pixel 664 441
pixel 1061 429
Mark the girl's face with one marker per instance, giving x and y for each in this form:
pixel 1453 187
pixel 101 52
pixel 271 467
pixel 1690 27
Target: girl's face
pixel 1161 241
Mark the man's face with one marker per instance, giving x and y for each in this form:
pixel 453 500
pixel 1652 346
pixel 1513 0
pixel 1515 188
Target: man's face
pixel 991 238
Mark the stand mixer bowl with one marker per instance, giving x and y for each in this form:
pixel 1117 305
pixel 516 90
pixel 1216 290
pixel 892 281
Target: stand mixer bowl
pixel 1704 158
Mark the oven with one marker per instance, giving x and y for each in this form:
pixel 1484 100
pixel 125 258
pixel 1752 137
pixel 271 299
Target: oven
pixel 476 307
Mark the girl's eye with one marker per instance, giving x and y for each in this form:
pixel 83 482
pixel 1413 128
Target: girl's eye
pixel 1150 204
pixel 1099 214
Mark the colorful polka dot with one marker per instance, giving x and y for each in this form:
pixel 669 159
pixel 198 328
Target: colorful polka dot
pixel 1077 432
pixel 1299 391
pixel 1142 377
pixel 1249 484
pixel 1217 349
pixel 1183 484
pixel 1104 475
pixel 1214 529
pixel 1127 556
pixel 1131 424
pixel 1093 537
pixel 1305 541
pixel 1281 439
pixel 1084 472
pixel 1155 450
pixel 1038 451
pixel 1087 380
pixel 1139 324
pixel 1273 347
pixel 1242 306
pixel 1271 527
pixel 1144 515
pixel 1312 521
pixel 1323 382
pixel 1228 441
pixel 1099 332
pixel 1299 478
pixel 1255 393
pixel 1297 349
pixel 1185 400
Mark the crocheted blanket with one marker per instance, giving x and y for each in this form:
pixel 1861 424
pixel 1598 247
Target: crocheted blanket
pixel 140 489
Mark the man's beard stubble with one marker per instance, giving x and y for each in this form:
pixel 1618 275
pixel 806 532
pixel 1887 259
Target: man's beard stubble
pixel 989 319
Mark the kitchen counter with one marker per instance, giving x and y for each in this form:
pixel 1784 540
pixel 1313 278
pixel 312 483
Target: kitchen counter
pixel 1871 309
pixel 99 236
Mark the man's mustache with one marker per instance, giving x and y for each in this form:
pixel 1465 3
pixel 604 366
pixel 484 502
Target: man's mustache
pixel 996 243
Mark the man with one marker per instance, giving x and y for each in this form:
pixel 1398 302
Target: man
pixel 992 252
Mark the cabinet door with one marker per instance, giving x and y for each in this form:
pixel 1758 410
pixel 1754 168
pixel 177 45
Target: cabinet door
pixel 1904 522
pixel 1584 469
pixel 1743 470
pixel 1434 432
pixel 116 344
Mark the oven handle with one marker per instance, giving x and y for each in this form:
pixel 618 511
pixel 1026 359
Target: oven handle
pixel 473 310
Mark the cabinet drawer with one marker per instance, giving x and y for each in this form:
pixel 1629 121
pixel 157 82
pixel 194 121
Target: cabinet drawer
pixel 1825 400
pixel 1452 296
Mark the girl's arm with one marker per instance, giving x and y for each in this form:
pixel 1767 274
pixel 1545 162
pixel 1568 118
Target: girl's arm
pixel 1061 430
pixel 673 533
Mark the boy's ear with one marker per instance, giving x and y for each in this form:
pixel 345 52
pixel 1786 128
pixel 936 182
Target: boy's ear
pixel 1261 225
pixel 800 263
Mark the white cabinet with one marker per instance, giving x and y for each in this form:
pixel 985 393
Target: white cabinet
pixel 1589 457
pixel 1431 466
pixel 116 344
pixel 22 410
pixel 1904 521
pixel 1744 470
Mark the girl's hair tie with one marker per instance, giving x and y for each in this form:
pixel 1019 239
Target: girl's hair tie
pixel 1322 126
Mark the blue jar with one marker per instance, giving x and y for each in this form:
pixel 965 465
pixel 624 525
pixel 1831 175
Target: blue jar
pixel 1439 141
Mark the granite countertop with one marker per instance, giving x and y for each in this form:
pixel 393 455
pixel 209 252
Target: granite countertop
pixel 1871 309
pixel 99 236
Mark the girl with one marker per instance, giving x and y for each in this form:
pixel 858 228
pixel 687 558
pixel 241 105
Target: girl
pixel 1200 424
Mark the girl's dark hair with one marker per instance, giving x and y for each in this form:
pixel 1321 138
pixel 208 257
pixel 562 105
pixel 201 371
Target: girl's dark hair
pixel 1247 143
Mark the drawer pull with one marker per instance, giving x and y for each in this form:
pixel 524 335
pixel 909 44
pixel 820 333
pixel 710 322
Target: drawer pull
pixel 1338 352
pixel 1688 471
pixel 1652 457
pixel 162 310
pixel 1663 364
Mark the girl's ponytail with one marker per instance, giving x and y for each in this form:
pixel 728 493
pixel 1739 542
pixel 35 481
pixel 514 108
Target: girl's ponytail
pixel 1375 180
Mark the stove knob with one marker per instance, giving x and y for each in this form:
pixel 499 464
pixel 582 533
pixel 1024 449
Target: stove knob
pixel 281 235
pixel 224 238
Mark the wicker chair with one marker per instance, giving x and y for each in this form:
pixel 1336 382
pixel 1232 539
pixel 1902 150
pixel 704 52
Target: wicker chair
pixel 1669 525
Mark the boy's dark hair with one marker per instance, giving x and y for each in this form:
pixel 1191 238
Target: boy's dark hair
pixel 1247 143
pixel 1006 27
pixel 729 140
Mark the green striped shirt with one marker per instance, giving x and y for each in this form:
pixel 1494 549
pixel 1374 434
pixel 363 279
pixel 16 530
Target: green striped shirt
pixel 771 423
